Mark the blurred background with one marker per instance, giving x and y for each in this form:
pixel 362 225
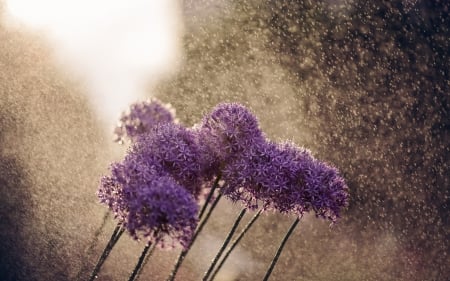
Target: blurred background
pixel 363 84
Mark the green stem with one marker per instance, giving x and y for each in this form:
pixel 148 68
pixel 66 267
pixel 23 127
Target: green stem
pixel 225 244
pixel 280 249
pixel 235 242
pixel 184 252
pixel 112 241
pixel 148 249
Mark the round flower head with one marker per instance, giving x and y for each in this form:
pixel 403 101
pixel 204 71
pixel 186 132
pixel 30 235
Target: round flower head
pixel 261 174
pixel 282 166
pixel 324 191
pixel 285 178
pixel 141 118
pixel 162 207
pixel 171 149
pixel 149 205
pixel 228 130
pixel 308 184
pixel 124 179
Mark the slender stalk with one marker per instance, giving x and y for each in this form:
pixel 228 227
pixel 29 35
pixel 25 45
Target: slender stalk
pixel 112 241
pixel 137 269
pixel 89 251
pixel 184 252
pixel 210 195
pixel 225 244
pixel 150 252
pixel 235 242
pixel 280 249
pixel 98 231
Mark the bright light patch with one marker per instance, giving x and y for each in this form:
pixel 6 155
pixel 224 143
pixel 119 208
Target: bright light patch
pixel 116 47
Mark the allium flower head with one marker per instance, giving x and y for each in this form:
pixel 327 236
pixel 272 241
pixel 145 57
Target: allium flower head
pixel 125 176
pixel 228 130
pixel 325 190
pixel 285 178
pixel 141 118
pixel 149 205
pixel 260 175
pixel 171 148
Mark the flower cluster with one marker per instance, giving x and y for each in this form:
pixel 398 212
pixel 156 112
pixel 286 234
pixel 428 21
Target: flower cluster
pixel 141 118
pixel 285 178
pixel 149 204
pixel 282 176
pixel 155 188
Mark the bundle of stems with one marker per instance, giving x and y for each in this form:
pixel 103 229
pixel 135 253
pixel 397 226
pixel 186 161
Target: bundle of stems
pixel 166 168
pixel 202 223
pixel 221 255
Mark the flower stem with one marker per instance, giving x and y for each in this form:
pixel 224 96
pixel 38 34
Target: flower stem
pixel 184 252
pixel 225 244
pixel 150 252
pixel 280 249
pixel 90 249
pixel 148 249
pixel 210 195
pixel 112 241
pixel 235 242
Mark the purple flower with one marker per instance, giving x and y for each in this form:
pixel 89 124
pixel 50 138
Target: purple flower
pixel 227 131
pixel 325 190
pixel 259 175
pixel 285 178
pixel 125 176
pixel 141 118
pixel 149 205
pixel 171 149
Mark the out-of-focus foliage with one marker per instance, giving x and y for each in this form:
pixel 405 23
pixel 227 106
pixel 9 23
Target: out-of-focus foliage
pixel 364 84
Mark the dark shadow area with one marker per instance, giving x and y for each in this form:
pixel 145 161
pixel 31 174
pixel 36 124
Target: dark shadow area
pixel 50 161
pixel 15 211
